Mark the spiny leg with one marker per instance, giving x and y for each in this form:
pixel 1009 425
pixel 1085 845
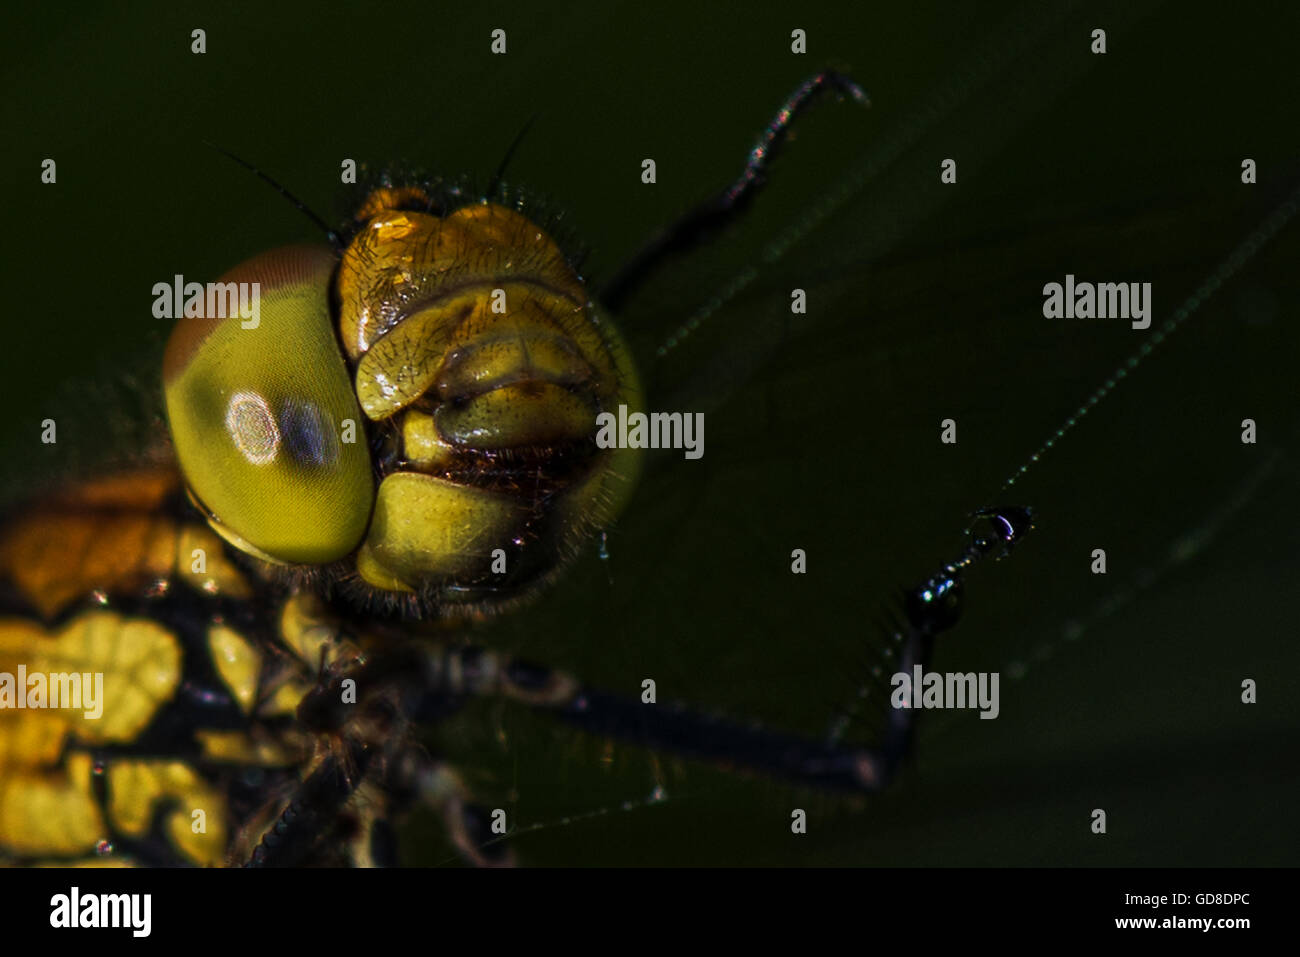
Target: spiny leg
pixel 374 767
pixel 313 809
pixel 700 223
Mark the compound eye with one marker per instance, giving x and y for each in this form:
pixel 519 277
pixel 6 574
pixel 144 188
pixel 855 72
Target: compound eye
pixel 263 414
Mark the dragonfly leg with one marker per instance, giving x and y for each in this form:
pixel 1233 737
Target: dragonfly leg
pixel 313 809
pixel 932 607
pixel 724 208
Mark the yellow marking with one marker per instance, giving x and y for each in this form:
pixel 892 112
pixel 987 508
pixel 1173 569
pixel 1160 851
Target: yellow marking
pixel 221 576
pixel 236 747
pixel 50 813
pixel 47 808
pixel 305 629
pixel 285 699
pixel 238 663
pixel 109 535
pixel 140 663
pixel 136 789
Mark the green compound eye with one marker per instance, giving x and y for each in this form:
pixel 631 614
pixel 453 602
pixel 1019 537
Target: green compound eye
pixel 263 415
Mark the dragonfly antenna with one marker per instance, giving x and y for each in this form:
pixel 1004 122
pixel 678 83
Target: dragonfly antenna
pixel 510 153
pixel 298 204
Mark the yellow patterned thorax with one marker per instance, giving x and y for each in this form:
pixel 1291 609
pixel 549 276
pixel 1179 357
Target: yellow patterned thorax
pixel 85 687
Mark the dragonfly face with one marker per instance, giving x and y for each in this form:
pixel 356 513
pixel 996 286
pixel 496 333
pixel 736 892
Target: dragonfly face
pixel 473 364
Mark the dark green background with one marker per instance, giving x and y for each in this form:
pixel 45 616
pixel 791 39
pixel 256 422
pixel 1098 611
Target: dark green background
pixel 822 431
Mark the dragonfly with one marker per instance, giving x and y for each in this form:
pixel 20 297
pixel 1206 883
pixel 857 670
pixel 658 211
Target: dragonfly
pixel 474 350
pixel 908 307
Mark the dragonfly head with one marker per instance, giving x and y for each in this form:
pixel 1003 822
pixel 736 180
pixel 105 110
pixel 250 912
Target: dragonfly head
pixel 422 410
